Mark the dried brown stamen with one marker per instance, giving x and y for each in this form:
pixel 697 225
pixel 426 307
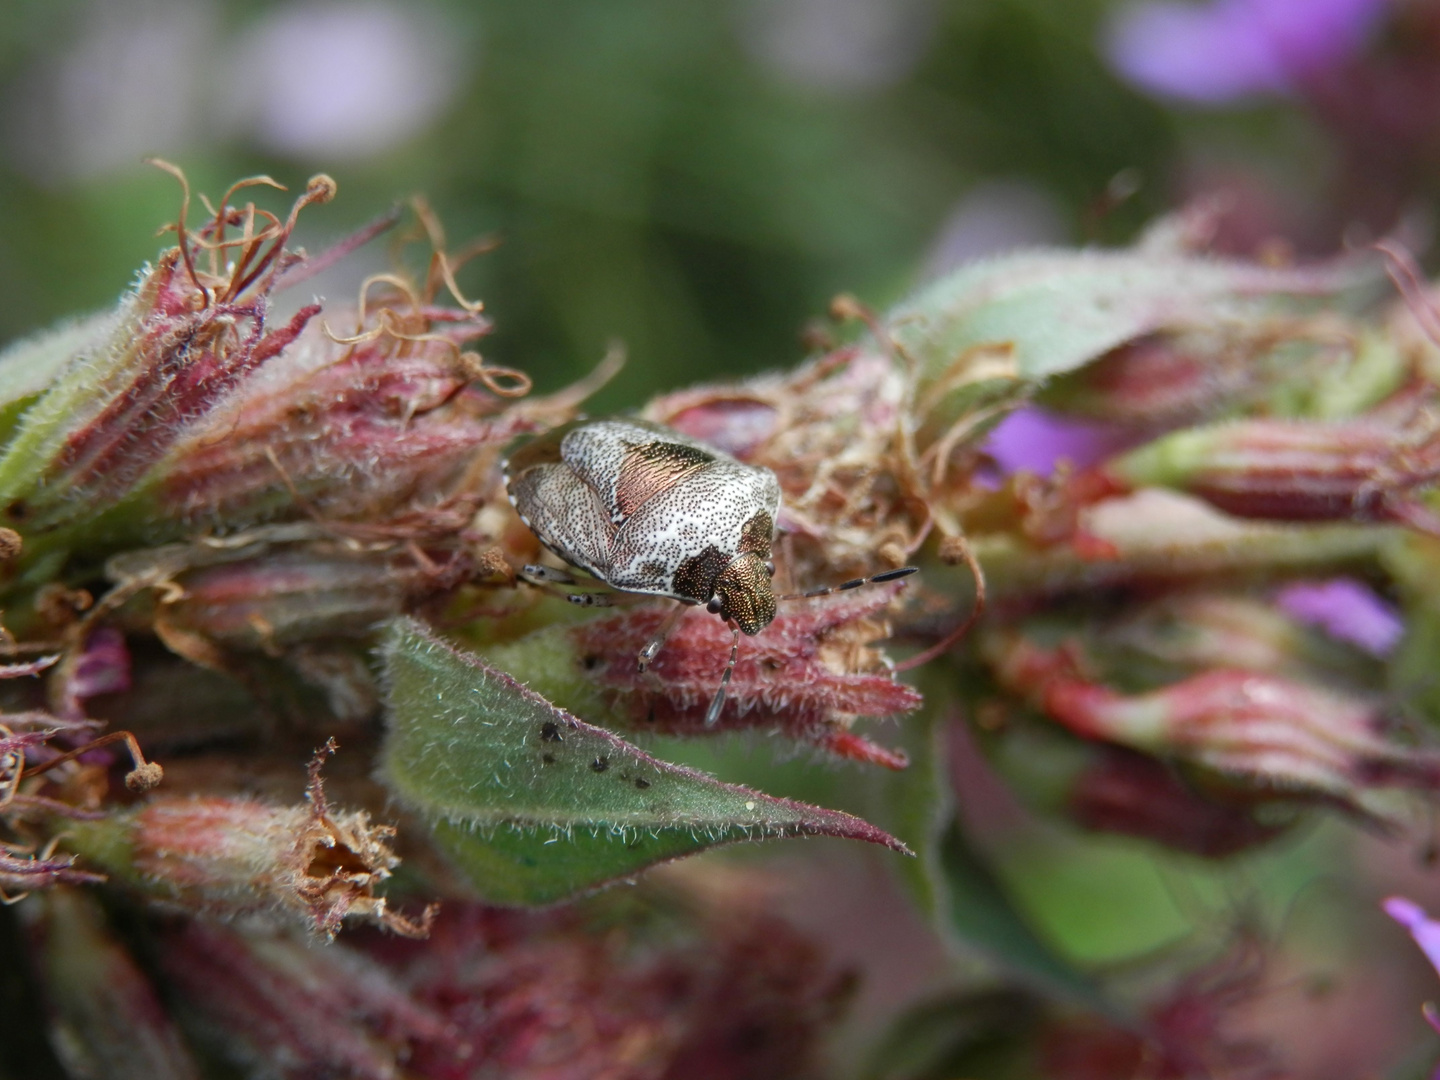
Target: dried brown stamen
pixel 144 776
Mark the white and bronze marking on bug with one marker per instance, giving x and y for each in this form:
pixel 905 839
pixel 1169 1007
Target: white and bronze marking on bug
pixel 648 510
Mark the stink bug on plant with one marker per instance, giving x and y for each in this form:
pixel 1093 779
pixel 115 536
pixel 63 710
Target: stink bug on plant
pixel 647 510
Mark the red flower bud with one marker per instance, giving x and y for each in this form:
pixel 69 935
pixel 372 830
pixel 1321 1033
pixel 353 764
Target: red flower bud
pixel 1135 795
pixel 294 593
pixel 1367 469
pixel 105 1017
pixel 1281 733
pixel 352 429
pixel 283 1007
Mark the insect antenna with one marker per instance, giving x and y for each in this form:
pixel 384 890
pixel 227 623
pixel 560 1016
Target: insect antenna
pixel 717 703
pixel 962 552
pixel 874 579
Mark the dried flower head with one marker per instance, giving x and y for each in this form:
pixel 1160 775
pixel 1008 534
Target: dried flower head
pixel 1185 1034
pixel 278 1005
pixel 306 864
pixel 808 676
pixel 194 328
pixel 537 995
pixel 831 432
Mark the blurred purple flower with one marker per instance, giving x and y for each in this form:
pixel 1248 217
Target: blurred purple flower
pixel 1425 931
pixel 1347 610
pixel 1230 49
pixel 992 218
pixel 323 79
pixel 101 667
pixel 131 81
pixel 840 46
pixel 1035 440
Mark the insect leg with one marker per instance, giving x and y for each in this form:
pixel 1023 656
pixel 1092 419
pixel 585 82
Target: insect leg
pixel 591 599
pixel 549 579
pixel 662 634
pixel 546 575
pixel 717 703
pixel 874 579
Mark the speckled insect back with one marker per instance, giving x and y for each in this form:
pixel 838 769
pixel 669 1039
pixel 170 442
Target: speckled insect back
pixel 648 510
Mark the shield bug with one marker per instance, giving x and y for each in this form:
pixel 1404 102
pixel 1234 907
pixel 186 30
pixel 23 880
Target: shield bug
pixel 647 510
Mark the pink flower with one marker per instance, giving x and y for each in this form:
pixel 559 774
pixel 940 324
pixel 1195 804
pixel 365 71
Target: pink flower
pixel 100 666
pixel 1425 930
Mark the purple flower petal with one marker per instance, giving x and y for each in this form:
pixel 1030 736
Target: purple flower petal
pixel 1347 610
pixel 1425 931
pixel 1230 49
pixel 1034 440
pixel 103 667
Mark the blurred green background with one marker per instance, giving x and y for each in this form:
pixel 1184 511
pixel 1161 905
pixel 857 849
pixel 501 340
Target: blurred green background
pixel 697 180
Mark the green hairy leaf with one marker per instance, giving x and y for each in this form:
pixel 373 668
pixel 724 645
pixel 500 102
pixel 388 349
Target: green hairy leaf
pixel 983 917
pixel 536 805
pixel 999 327
pixel 30 366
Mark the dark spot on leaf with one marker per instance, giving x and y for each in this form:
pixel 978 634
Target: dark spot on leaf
pixel 600 764
pixel 641 783
pixel 590 662
pixel 550 732
pixel 17 510
pixel 548 759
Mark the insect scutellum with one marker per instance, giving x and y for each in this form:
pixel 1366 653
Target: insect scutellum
pixel 647 510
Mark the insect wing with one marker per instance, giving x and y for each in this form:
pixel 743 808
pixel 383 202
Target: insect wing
pixel 562 511
pixel 680 541
pixel 641 507
pixel 630 462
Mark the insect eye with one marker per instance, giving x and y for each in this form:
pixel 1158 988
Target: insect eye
pixel 770 568
pixel 714 605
